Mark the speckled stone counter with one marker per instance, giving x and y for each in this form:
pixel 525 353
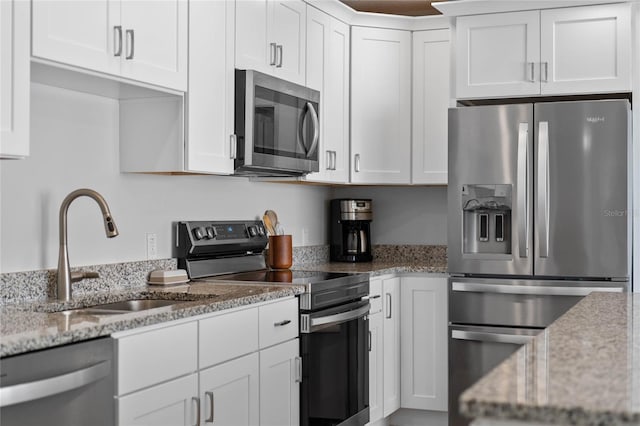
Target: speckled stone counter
pixel 30 326
pixel 376 268
pixel 584 369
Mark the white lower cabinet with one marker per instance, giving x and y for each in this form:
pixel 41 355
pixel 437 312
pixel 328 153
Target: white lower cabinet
pixel 280 376
pixel 391 343
pixel 423 315
pixel 408 344
pixel 196 372
pixel 229 392
pixel 170 404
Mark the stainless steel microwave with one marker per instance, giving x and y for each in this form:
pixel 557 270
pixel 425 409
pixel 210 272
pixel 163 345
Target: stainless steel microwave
pixel 277 126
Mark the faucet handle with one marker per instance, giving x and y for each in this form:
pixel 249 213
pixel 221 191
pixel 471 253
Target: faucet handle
pixel 81 275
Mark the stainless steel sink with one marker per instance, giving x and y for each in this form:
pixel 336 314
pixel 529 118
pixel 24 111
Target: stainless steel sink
pixel 122 307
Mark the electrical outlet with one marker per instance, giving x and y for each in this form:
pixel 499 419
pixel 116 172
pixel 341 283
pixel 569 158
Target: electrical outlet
pixel 152 246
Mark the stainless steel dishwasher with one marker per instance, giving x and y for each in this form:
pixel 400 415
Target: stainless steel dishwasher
pixel 70 385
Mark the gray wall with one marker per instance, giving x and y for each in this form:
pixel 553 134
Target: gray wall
pixel 74 144
pixel 404 214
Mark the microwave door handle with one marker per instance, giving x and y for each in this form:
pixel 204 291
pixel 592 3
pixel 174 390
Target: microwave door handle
pixel 316 129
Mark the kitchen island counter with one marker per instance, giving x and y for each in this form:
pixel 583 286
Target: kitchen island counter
pixel 27 327
pixel 584 369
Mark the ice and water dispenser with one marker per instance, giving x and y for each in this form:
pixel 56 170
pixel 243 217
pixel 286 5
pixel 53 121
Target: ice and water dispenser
pixel 486 219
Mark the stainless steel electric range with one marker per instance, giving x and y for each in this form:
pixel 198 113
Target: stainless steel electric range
pixel 334 309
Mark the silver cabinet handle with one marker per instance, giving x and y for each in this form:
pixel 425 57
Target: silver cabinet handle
pixel 281 323
pixel 523 189
pixel 316 129
pixel 516 339
pixel 30 391
pixel 117 40
pixel 531 68
pixel 279 55
pixel 329 157
pixel 545 67
pixel 543 188
pixel 388 295
pixel 298 362
pixel 272 54
pixel 197 401
pixel 530 289
pixel 233 151
pixel 130 44
pixel 209 396
pixel 356 163
pixel 335 161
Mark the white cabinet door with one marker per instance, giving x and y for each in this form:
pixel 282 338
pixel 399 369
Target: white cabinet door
pixel 86 34
pixel 391 339
pixel 380 106
pixel 498 55
pixel 15 55
pixel 280 376
pixel 172 403
pixel 229 392
pixel 288 30
pixel 423 340
pixel 586 49
pixel 327 71
pixel 376 372
pixel 430 106
pixel 210 98
pixel 252 48
pixel 155 42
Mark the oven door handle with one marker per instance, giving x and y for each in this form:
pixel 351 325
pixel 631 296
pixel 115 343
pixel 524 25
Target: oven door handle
pixel 515 339
pixel 314 323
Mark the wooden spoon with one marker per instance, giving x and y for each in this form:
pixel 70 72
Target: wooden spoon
pixel 273 221
pixel 268 224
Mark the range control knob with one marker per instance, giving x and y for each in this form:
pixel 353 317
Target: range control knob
pixel 199 233
pixel 211 233
pixel 260 230
pixel 252 231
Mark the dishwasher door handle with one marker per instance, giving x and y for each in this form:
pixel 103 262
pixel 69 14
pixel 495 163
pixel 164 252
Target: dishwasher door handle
pixel 37 389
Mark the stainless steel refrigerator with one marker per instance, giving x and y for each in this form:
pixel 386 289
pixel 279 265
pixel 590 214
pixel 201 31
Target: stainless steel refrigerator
pixel 538 203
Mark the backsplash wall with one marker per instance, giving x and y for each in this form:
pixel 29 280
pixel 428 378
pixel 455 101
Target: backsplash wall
pixel 74 144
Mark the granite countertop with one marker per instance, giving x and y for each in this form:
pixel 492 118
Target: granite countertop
pixel 31 326
pixel 584 369
pixel 379 267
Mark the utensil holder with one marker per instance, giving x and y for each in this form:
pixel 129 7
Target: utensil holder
pixel 279 255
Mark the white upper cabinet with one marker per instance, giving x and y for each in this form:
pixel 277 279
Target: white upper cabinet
pixel 210 100
pixel 380 106
pixel 14 78
pixel 498 55
pixel 430 105
pixel 327 71
pixel 142 41
pixel 586 49
pixel 550 52
pixel 270 37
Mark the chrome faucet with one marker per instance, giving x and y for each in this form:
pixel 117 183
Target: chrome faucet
pixel 65 276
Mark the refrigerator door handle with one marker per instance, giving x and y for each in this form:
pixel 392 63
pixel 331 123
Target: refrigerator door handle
pixel 543 188
pixel 530 289
pixel 514 339
pixel 522 188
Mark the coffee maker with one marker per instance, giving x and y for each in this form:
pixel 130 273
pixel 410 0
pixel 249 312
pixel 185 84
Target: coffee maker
pixel 350 231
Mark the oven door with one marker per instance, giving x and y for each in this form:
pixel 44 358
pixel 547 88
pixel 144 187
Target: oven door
pixel 335 366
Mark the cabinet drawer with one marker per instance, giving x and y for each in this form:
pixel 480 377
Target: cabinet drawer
pixel 278 322
pixel 228 336
pixel 155 356
pixel 375 296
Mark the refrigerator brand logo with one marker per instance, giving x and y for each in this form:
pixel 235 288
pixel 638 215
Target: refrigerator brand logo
pixel 595 119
